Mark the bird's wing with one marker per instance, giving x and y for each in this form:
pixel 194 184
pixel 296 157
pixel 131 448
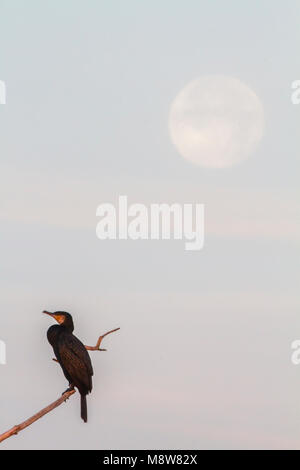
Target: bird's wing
pixel 76 361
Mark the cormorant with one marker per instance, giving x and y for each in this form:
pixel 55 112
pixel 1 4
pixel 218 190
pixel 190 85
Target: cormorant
pixel 72 356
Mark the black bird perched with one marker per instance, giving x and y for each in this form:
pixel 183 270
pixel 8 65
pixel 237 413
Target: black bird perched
pixel 72 356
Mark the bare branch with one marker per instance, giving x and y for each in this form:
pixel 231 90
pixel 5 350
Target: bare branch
pixel 97 347
pixel 19 427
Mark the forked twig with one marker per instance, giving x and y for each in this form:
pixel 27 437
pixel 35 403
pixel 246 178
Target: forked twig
pixel 97 347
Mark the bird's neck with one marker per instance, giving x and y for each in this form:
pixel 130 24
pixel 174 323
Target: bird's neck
pixel 68 326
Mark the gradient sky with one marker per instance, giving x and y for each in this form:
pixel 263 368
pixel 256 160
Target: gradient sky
pixel 202 359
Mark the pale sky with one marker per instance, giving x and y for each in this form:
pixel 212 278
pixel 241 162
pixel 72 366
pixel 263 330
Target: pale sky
pixel 202 360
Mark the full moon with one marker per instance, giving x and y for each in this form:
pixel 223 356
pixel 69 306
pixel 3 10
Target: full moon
pixel 216 121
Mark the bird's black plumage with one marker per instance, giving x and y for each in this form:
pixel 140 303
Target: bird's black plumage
pixel 72 356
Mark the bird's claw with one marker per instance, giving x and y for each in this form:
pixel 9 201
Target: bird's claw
pixel 69 389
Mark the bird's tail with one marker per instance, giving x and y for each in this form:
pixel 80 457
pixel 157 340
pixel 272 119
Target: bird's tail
pixel 83 408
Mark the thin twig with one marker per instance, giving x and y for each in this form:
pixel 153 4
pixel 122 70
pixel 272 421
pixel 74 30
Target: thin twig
pixel 40 414
pixel 97 347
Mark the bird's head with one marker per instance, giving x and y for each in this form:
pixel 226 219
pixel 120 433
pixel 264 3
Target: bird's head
pixel 63 318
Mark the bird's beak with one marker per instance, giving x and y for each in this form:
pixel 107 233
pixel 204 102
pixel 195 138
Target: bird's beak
pixel 48 313
pixel 59 318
